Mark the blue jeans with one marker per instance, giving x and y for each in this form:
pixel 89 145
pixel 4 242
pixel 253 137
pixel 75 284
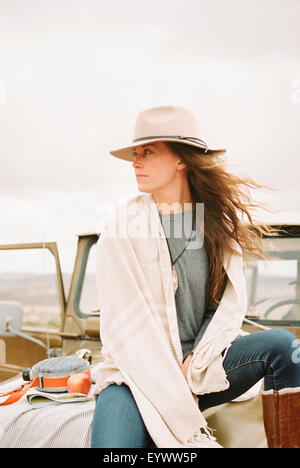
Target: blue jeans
pixel 272 354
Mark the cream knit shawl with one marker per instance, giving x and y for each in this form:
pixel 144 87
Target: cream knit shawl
pixel 139 331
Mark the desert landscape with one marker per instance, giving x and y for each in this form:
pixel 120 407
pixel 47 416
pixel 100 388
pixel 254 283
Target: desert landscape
pixel 38 295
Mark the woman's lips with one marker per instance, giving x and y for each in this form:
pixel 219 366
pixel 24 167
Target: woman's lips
pixel 140 176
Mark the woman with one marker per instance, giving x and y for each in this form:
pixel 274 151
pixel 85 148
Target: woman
pixel 172 306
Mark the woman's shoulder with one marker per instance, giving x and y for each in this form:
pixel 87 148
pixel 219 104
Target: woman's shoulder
pixel 126 213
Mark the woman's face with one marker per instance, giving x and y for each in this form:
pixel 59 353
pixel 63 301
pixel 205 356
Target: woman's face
pixel 156 167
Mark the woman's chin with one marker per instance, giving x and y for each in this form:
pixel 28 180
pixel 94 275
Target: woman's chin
pixel 140 189
pixel 143 188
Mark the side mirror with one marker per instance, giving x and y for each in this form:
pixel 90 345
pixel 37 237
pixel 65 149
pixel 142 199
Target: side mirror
pixel 11 318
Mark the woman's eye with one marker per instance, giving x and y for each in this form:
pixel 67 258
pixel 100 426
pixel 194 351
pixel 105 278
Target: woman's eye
pixel 146 151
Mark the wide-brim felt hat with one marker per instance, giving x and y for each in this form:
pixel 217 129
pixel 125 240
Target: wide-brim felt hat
pixel 165 123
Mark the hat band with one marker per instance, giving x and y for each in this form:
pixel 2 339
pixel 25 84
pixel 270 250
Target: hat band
pixel 173 137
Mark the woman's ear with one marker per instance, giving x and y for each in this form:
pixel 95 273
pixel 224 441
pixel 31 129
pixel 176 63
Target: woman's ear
pixel 180 165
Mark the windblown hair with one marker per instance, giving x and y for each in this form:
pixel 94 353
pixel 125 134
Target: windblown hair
pixel 225 197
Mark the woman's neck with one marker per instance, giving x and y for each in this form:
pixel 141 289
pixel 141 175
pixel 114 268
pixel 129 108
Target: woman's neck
pixel 173 202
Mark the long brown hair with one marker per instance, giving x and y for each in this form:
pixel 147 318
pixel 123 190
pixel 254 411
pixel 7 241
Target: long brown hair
pixel 225 196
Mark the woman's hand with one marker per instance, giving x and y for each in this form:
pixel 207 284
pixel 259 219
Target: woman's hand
pixel 186 364
pixel 184 369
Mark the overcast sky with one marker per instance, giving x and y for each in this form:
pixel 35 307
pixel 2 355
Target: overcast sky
pixel 75 73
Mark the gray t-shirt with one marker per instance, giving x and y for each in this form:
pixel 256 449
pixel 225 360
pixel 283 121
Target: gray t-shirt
pixel 193 315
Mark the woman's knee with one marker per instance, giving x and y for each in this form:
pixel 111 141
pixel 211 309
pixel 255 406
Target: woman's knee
pixel 281 343
pixel 117 421
pixel 114 392
pixel 282 336
pixel 114 401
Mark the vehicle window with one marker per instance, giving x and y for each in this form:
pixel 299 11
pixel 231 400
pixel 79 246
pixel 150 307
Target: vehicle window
pixel 89 296
pixel 274 287
pixel 28 276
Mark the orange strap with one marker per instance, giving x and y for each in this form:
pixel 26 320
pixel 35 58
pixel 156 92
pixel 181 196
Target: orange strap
pixel 17 393
pixel 47 382
pixel 58 381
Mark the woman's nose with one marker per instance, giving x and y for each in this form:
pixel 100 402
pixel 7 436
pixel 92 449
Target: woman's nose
pixel 136 162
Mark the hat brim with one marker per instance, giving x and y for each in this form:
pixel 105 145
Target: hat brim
pixel 126 153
